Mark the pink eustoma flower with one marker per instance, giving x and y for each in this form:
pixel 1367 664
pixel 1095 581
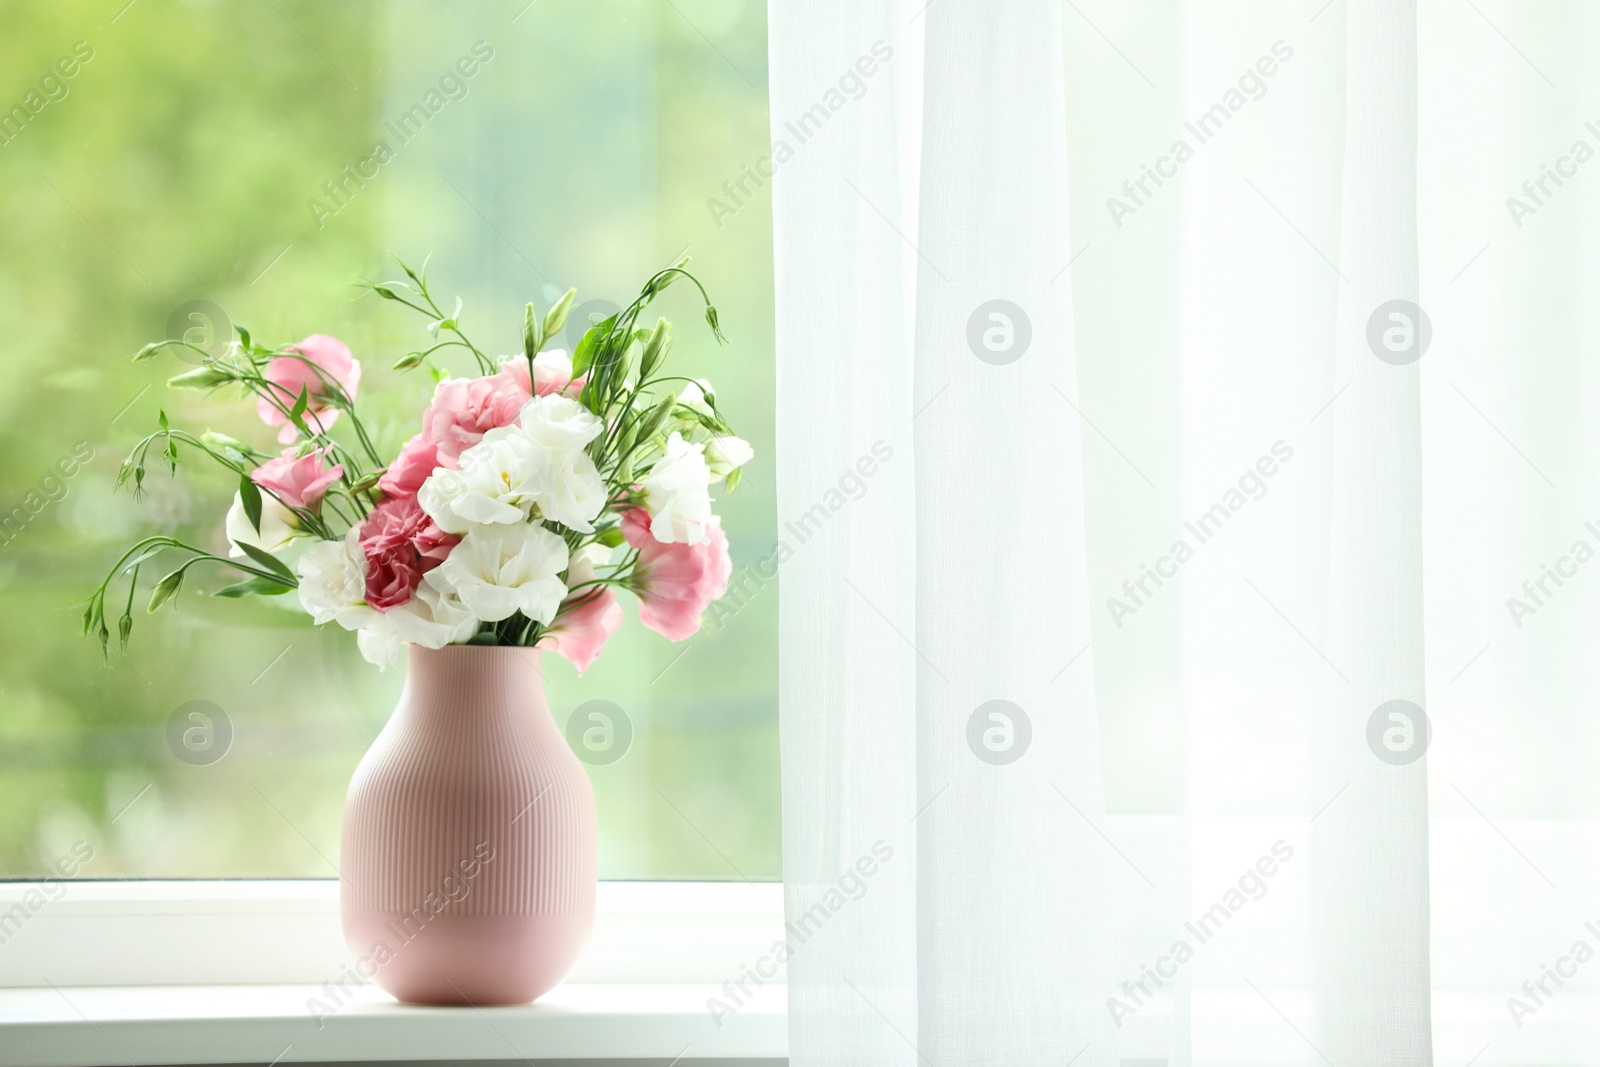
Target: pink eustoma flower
pixel 288 375
pixel 416 461
pixel 299 481
pixel 677 581
pixel 401 544
pixel 464 409
pixel 587 620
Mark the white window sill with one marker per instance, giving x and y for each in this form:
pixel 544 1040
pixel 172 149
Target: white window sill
pixel 249 972
pixel 72 1027
pixel 287 933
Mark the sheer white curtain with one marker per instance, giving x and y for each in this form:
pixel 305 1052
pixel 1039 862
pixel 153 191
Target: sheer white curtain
pixel 1371 851
pixel 1221 409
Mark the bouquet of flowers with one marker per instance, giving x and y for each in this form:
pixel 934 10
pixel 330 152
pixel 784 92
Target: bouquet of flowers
pixel 532 493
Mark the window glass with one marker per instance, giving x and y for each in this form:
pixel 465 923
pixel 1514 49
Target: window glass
pixel 182 166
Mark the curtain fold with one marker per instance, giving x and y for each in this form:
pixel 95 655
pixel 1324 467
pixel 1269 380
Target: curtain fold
pixel 843 196
pixel 1371 847
pixel 926 705
pixel 1012 878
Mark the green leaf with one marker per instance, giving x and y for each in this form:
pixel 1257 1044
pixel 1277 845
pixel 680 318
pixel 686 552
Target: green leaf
pixel 161 417
pixel 486 637
pixel 556 317
pixel 244 335
pixel 165 590
pixel 144 557
pixel 616 368
pixel 252 587
pixel 735 476
pixel 297 413
pixel 585 353
pixel 269 561
pixel 530 331
pixel 250 497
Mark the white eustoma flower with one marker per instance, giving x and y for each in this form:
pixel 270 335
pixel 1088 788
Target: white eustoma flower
pixel 678 494
pixel 497 483
pixel 379 645
pixel 276 531
pixel 536 468
pixel 431 618
pixel 593 555
pixel 574 493
pixel 333 582
pixel 497 571
pixel 557 362
pixel 560 423
pixel 725 455
pixel 698 395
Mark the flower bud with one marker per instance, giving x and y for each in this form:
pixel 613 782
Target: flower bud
pixel 201 378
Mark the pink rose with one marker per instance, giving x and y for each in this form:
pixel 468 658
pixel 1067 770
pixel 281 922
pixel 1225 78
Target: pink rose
pixel 416 461
pixel 586 620
pixel 464 409
pixel 677 581
pixel 300 482
pixel 552 373
pixel 401 544
pixel 287 376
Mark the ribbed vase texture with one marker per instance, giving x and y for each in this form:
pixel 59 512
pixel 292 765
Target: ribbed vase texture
pixel 468 862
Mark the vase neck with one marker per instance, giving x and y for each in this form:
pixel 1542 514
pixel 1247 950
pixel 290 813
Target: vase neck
pixel 473 680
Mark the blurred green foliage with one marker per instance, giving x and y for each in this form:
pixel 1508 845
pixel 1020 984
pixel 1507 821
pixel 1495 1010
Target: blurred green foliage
pixel 179 163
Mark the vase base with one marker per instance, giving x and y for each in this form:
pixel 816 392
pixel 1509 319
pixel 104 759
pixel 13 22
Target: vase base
pixel 475 960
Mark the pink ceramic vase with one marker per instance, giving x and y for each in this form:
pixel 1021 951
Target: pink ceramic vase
pixel 468 862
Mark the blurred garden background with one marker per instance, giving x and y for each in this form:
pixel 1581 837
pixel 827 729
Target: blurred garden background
pixel 179 179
